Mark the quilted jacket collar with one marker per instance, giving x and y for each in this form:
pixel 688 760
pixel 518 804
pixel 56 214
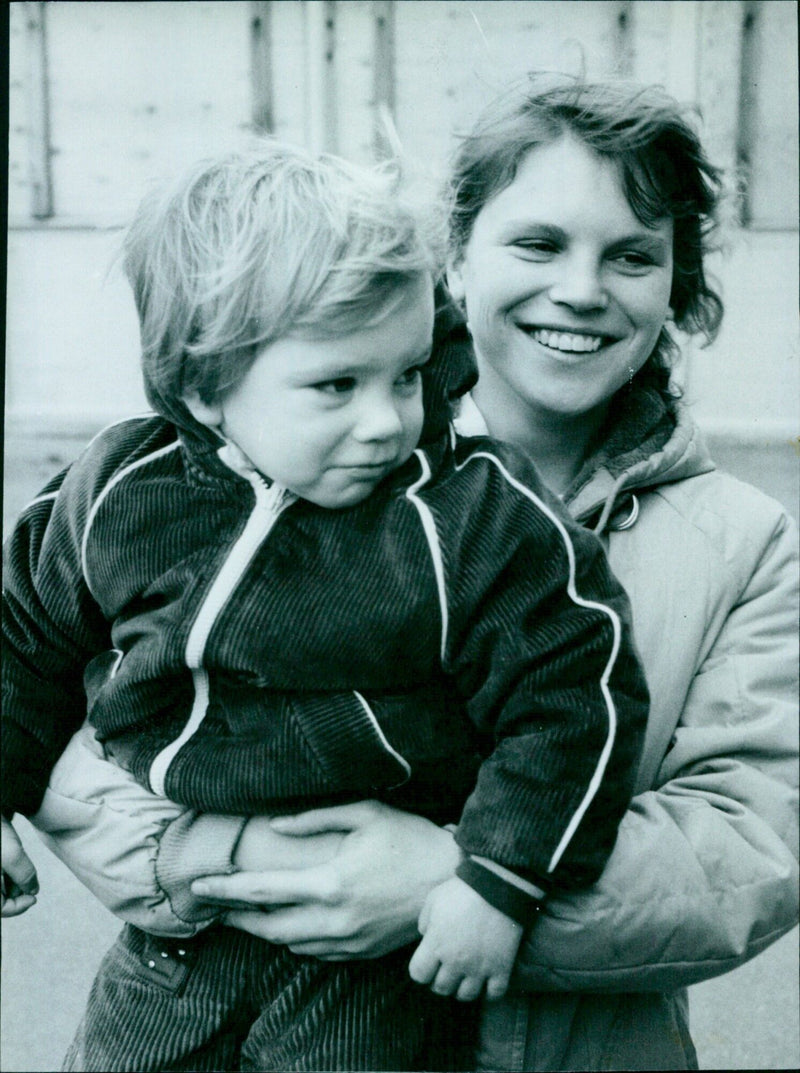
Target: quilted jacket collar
pixel 646 443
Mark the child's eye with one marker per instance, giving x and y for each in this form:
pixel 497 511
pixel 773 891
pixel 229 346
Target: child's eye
pixel 411 377
pixel 340 386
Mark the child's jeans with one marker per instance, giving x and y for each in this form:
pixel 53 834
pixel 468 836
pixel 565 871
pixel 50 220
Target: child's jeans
pixel 226 1000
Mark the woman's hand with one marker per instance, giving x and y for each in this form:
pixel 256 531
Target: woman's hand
pixel 362 903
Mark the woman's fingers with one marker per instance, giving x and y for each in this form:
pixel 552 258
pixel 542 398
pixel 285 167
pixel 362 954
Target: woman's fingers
pixel 365 901
pixel 269 888
pixel 300 928
pixel 270 926
pixel 319 820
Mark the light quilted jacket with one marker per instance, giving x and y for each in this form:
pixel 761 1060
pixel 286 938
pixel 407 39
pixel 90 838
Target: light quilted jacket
pixel 704 873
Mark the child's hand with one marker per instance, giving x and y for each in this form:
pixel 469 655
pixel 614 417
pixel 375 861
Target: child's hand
pixel 20 884
pixel 466 943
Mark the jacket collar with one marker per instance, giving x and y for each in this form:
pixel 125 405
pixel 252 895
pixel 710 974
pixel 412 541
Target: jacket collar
pixel 671 451
pixel 646 443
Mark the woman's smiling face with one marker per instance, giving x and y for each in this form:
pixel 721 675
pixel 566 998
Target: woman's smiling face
pixel 566 290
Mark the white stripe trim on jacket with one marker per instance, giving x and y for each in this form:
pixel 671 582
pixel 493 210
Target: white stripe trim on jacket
pixel 381 736
pixel 270 502
pixel 602 763
pixel 432 537
pixel 115 480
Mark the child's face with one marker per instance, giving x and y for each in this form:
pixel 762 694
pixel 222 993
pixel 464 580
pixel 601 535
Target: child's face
pixel 330 418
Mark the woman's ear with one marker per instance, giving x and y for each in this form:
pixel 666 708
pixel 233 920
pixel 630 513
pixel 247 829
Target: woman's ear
pixel 207 413
pixel 455 283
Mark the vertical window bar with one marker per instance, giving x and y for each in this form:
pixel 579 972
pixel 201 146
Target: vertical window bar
pixel 39 113
pixel 331 118
pixel 748 89
pixel 624 39
pixel 320 25
pixel 384 75
pixel 261 72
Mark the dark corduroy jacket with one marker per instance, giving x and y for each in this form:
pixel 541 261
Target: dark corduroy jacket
pixel 454 644
pixel 247 651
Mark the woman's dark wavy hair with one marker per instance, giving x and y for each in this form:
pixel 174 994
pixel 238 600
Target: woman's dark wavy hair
pixel 663 167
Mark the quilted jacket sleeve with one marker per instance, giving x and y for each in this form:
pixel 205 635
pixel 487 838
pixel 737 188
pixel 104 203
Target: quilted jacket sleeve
pixel 110 833
pixel 51 628
pixel 704 873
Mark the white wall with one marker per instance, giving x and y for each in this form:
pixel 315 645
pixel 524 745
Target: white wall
pixel 136 88
pixel 72 338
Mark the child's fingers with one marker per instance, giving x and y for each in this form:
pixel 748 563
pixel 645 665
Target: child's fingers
pixel 447 981
pixel 423 965
pixel 469 989
pixel 424 917
pixel 496 986
pixel 19 872
pixel 13 907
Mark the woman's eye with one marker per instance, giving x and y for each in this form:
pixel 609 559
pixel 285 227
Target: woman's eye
pixel 340 386
pixel 535 247
pixel 633 261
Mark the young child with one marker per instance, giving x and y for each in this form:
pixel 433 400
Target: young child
pixel 296 586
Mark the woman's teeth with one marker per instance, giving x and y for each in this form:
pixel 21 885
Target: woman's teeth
pixel 570 341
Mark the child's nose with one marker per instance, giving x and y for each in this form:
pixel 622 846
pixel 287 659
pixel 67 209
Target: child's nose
pixel 379 419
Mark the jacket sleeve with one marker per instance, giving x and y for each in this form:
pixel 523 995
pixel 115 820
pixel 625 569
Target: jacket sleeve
pixel 130 848
pixel 540 644
pixel 704 873
pixel 51 628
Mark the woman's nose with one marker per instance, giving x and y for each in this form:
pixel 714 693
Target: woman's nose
pixel 579 286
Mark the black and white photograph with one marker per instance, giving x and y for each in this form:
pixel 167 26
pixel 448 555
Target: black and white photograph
pixel 401 491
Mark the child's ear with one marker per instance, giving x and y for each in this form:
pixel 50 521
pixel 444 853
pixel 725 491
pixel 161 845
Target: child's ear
pixel 207 413
pixel 455 283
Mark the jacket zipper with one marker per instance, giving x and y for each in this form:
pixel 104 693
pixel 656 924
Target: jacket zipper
pixel 270 503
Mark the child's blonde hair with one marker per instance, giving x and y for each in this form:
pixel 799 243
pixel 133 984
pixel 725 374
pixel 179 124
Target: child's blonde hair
pixel 247 248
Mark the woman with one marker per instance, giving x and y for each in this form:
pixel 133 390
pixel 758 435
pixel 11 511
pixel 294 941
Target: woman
pixel 580 219
pixel 581 215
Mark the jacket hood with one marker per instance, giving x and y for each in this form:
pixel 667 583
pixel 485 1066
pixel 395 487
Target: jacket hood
pixel 651 442
pixel 452 369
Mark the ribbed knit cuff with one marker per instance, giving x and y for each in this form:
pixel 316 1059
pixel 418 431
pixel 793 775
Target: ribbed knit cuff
pixel 508 898
pixel 193 846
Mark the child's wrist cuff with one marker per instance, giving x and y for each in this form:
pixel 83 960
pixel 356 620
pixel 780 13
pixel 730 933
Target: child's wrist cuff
pixel 509 898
